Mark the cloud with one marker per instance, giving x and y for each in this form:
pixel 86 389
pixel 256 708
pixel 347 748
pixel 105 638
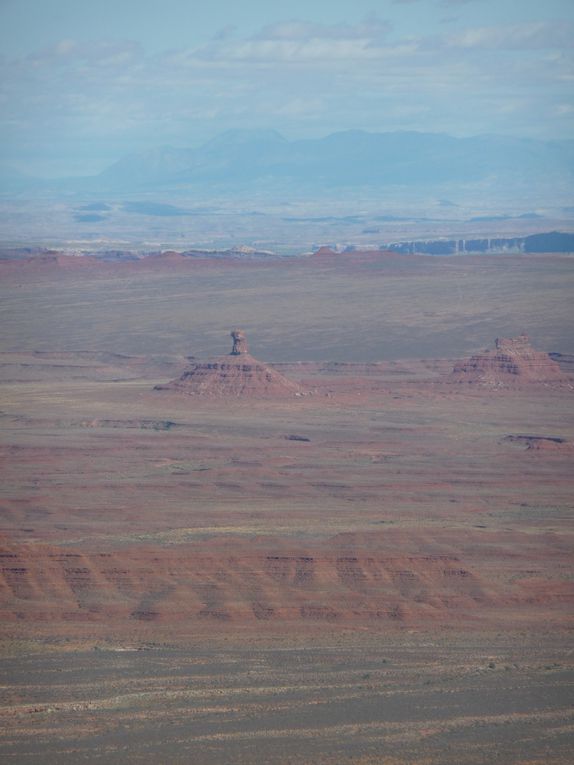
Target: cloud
pixel 440 2
pixel 225 32
pixel 112 97
pixel 298 41
pixel 526 36
pixel 450 3
pixel 300 108
pixel 371 28
pixel 95 54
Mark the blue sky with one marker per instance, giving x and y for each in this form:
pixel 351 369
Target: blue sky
pixel 85 82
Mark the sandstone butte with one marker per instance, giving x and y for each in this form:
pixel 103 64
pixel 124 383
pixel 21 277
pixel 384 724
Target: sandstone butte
pixel 513 361
pixel 236 375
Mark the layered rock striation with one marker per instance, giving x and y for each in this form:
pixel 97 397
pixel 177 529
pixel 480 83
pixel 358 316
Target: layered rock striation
pixel 237 375
pixel 512 361
pixel 346 579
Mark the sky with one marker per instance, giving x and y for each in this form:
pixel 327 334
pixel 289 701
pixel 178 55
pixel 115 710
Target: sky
pixel 84 82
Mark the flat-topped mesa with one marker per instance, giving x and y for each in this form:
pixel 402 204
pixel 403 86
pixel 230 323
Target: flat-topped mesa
pixel 237 375
pixel 514 346
pixel 512 361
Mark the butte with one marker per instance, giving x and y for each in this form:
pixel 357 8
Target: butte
pixel 512 361
pixel 237 375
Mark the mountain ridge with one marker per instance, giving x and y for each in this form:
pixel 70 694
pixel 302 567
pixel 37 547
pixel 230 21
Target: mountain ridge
pixel 240 158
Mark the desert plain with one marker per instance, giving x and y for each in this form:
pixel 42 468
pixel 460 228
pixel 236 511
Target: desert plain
pixel 375 569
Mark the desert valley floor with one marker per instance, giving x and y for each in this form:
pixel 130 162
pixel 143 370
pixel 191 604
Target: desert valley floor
pixel 376 568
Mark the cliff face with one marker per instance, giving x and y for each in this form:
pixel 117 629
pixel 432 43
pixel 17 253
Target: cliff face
pixel 512 361
pixel 236 375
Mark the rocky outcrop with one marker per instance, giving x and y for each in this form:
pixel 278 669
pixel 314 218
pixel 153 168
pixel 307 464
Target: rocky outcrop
pixel 346 579
pixel 237 375
pixel 240 347
pixel 540 443
pixel 512 361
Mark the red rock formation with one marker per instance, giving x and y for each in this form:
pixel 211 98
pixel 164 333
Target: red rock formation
pixel 512 361
pixel 540 443
pixel 236 375
pixel 325 251
pixel 346 579
pixel 239 343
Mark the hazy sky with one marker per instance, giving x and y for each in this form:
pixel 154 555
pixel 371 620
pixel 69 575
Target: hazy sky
pixel 85 81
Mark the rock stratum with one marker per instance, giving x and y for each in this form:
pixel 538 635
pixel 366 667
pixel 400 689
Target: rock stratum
pixel 381 500
pixel 349 578
pixel 512 361
pixel 237 375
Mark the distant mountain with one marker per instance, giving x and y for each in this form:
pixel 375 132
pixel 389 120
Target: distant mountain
pixel 236 154
pixel 147 168
pixel 351 159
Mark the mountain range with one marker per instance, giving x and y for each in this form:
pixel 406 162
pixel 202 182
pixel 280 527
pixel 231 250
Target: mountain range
pixel 349 159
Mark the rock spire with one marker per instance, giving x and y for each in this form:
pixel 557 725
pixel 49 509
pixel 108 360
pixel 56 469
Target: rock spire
pixel 240 347
pixel 237 375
